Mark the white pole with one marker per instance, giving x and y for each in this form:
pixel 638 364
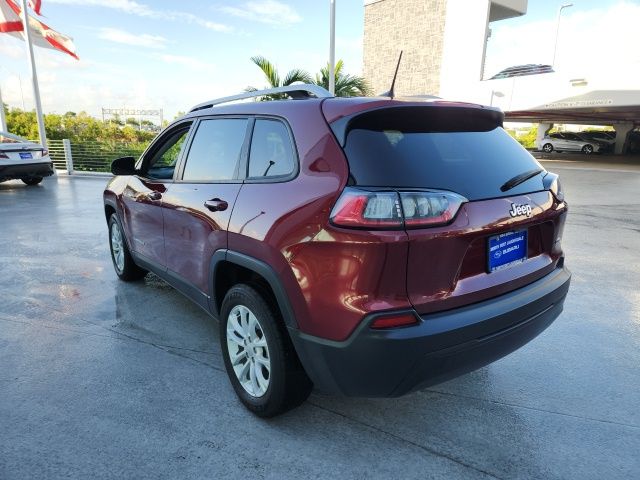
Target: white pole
pixel 34 74
pixel 21 93
pixel 332 47
pixel 3 120
pixel 555 44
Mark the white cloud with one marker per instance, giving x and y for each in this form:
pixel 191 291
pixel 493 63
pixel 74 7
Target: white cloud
pixel 13 49
pixel 265 11
pixel 127 6
pixel 133 39
pixel 134 8
pixel 184 61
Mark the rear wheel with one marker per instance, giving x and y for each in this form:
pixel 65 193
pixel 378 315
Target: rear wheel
pixel 547 148
pixel 261 362
pixel 32 180
pixel 587 149
pixel 123 263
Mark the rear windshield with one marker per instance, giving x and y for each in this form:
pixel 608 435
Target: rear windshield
pixel 453 149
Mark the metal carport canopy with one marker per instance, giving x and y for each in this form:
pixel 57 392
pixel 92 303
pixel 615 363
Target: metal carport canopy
pixel 599 107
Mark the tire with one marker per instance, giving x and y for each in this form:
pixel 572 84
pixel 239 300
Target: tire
pixel 123 263
pixel 267 377
pixel 587 149
pixel 547 148
pixel 32 180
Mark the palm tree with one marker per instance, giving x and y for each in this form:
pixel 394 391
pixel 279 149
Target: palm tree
pixel 273 78
pixel 346 85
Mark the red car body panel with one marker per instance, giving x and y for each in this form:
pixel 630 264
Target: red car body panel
pixel 193 233
pixel 448 265
pixel 143 218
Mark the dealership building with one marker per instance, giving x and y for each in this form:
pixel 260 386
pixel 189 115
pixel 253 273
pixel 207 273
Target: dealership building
pixel 444 48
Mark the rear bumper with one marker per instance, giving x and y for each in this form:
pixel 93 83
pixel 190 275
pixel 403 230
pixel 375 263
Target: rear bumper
pixel 389 363
pixel 18 171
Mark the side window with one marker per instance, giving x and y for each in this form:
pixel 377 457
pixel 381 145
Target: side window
pixel 271 152
pixel 163 161
pixel 215 150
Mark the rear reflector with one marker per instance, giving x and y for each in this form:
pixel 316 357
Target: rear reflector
pixel 375 209
pixel 402 320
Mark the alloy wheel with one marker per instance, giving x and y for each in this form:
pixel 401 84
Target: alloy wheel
pixel 117 247
pixel 248 351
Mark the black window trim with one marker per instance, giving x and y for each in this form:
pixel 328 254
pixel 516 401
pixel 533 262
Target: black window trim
pixel 238 178
pixel 242 169
pixel 157 143
pixel 294 149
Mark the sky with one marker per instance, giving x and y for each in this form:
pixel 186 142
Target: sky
pixel 165 54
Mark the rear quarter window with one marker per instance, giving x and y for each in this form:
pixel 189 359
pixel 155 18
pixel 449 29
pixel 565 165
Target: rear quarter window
pixel 271 153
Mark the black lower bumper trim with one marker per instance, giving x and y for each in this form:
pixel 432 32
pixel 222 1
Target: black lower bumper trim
pixel 383 363
pixel 26 170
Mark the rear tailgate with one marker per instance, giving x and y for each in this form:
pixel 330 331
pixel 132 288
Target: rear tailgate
pixel 461 149
pixel 449 266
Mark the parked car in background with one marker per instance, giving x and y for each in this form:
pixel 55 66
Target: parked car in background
pixel 365 246
pixel 570 142
pixel 23 160
pixel 607 140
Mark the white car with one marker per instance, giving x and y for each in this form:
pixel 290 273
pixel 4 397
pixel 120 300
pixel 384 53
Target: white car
pixel 23 160
pixel 569 142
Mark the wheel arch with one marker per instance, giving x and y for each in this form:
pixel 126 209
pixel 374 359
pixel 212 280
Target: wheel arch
pixel 229 268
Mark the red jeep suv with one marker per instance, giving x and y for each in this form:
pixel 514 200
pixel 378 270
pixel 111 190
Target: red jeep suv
pixel 362 246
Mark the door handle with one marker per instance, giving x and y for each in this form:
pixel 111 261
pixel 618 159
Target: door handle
pixel 216 205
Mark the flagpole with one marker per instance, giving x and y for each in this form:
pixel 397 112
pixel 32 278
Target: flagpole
pixel 3 120
pixel 34 75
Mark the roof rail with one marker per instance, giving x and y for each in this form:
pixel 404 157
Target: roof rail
pixel 297 92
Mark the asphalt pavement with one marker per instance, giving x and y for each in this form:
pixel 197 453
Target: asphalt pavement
pixel 103 379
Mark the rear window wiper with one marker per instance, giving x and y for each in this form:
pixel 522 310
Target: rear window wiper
pixel 518 179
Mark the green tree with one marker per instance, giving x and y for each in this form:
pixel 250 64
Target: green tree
pixel 77 127
pixel 273 77
pixel 345 85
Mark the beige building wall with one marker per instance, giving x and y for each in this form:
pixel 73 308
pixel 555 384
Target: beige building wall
pixel 414 26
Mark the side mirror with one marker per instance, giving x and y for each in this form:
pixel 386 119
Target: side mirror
pixel 124 166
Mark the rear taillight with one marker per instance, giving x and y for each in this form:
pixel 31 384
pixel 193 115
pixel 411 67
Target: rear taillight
pixel 392 209
pixel 359 208
pixel 425 209
pixel 551 182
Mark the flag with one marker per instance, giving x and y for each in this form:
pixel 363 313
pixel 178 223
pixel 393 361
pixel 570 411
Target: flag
pixel 9 20
pixel 41 35
pixel 35 5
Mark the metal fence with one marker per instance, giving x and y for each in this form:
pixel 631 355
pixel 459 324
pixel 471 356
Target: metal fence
pixel 90 156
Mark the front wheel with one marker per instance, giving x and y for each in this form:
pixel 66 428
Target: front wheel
pixel 259 357
pixel 587 149
pixel 547 148
pixel 32 180
pixel 123 263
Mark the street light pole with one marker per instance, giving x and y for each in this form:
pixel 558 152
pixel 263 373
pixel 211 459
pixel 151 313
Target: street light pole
pixel 497 94
pixel 332 46
pixel 555 45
